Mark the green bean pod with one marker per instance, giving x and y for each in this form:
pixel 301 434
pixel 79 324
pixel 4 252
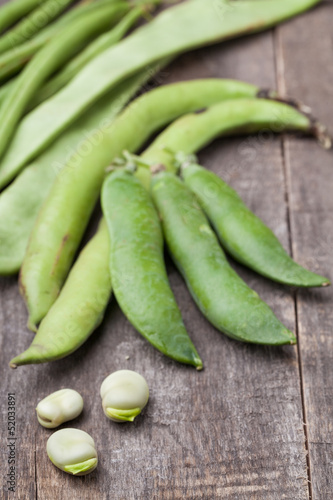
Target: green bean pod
pixel 221 295
pixel 79 308
pixel 32 24
pixel 242 234
pixel 136 261
pixel 14 10
pixel 65 214
pixel 48 60
pixel 186 26
pixel 21 200
pixel 71 69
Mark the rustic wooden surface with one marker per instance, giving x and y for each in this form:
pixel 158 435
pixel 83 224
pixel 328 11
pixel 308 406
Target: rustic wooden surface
pixel 257 422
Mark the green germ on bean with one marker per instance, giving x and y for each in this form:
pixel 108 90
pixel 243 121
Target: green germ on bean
pixel 139 277
pixel 72 451
pixel 221 295
pixel 48 60
pixel 59 407
pixel 186 26
pixel 66 211
pixel 78 310
pixel 124 395
pixel 242 234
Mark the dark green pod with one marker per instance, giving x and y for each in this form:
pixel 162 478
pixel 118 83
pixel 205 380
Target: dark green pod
pixel 137 268
pixel 242 234
pixel 222 296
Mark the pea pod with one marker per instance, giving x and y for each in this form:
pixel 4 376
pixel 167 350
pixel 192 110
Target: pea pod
pixel 14 11
pixel 186 26
pixel 221 295
pixel 242 234
pixel 21 201
pixel 66 211
pixel 48 60
pixel 79 308
pixel 29 26
pixel 136 262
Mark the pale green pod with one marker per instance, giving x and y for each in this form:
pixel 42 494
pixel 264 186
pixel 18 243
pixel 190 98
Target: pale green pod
pixel 124 395
pixel 72 451
pixel 59 407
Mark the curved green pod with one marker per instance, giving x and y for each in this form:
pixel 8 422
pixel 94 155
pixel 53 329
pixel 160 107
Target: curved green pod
pixel 21 201
pixel 101 43
pixel 32 24
pixel 221 295
pixel 186 26
pixel 14 59
pixel 57 51
pixel 79 309
pixel 136 261
pixel 14 10
pixel 65 214
pixel 242 234
pixel 238 116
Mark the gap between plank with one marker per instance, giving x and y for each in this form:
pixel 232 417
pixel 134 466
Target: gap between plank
pixel 281 88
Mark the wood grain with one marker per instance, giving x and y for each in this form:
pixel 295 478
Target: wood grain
pixel 235 430
pixel 306 55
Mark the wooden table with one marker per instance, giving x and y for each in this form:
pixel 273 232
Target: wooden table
pixel 257 422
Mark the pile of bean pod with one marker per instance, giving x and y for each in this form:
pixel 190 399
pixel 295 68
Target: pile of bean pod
pixel 75 74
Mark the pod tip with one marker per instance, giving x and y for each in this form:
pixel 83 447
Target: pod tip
pixel 326 284
pixel 12 365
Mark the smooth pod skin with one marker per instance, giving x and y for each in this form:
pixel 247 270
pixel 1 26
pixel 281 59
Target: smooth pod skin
pixel 242 116
pixel 30 25
pixel 124 395
pixel 186 26
pixel 242 234
pixel 57 51
pixel 59 407
pixel 14 11
pixel 72 451
pixel 14 59
pixel 221 295
pixel 137 268
pixel 21 201
pixel 72 68
pixel 79 309
pixel 65 214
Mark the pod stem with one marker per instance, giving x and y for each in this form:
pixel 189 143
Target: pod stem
pixel 317 129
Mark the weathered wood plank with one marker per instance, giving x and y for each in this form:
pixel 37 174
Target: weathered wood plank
pixel 233 431
pixel 305 47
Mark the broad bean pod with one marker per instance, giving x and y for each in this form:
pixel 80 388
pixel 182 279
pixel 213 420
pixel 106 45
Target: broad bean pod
pixel 48 60
pixel 189 25
pixel 137 268
pixel 32 24
pixel 64 216
pixel 79 308
pixel 13 11
pixel 221 295
pixel 14 59
pixel 71 69
pixel 242 234
pixel 21 201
